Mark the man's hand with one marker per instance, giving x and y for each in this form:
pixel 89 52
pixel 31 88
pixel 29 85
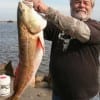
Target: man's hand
pixel 40 6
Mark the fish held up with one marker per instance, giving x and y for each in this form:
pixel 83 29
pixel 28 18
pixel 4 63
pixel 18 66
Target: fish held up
pixel 31 47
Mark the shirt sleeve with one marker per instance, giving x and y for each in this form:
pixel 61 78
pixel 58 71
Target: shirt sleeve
pixel 75 28
pixel 95 31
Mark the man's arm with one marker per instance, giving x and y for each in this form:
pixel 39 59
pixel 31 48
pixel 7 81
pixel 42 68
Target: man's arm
pixel 71 26
pixel 75 28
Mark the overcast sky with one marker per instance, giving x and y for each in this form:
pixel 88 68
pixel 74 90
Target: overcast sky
pixel 8 8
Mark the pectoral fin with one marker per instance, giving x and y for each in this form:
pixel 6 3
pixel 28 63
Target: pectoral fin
pixel 40 41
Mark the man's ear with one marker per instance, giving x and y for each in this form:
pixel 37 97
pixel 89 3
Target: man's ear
pixel 71 2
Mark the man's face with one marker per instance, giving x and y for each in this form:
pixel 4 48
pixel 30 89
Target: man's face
pixel 81 9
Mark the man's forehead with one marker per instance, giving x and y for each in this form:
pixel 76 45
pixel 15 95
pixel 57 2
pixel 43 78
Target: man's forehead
pixel 82 0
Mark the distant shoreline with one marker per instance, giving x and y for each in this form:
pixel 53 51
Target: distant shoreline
pixel 8 21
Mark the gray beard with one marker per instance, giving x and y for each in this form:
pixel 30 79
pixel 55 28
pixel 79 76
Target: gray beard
pixel 80 16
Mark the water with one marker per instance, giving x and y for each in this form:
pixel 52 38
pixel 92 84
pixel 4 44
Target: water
pixel 9 46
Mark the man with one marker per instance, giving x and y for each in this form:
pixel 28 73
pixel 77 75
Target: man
pixel 74 60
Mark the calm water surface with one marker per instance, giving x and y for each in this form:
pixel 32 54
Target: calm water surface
pixel 9 46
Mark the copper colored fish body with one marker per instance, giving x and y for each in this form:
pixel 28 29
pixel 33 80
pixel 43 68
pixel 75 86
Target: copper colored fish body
pixel 31 47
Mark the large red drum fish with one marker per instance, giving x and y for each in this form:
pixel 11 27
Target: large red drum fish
pixel 31 47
